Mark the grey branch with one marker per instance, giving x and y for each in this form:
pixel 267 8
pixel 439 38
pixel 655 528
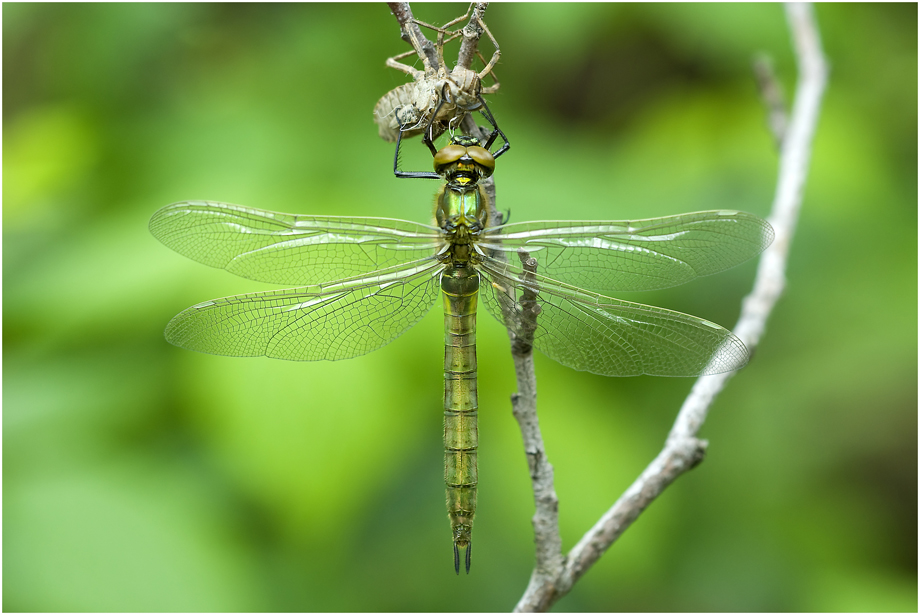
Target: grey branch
pixel 524 406
pixel 554 575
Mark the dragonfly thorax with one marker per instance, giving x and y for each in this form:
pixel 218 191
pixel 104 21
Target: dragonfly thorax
pixel 461 213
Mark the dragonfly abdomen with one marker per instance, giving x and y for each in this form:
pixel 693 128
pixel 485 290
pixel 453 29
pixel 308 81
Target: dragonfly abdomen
pixel 460 290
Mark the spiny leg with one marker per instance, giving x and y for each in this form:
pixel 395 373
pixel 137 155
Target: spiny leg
pixel 405 68
pixel 417 46
pixel 450 23
pixel 492 88
pixel 443 28
pixel 495 56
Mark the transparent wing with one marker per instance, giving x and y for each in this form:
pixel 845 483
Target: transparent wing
pixel 634 255
pixel 289 249
pixel 337 321
pixel 602 335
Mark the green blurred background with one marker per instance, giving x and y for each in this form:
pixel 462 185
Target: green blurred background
pixel 139 476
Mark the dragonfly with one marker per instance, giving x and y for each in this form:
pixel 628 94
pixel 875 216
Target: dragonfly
pixel 360 283
pixel 438 98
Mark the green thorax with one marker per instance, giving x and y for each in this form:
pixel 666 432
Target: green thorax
pixel 462 213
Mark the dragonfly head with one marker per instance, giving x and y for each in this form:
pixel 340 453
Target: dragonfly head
pixel 463 162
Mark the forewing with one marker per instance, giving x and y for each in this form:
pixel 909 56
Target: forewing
pixel 340 321
pixel 289 249
pixel 634 255
pixel 602 335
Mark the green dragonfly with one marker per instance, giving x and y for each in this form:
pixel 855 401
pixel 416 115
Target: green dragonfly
pixel 363 282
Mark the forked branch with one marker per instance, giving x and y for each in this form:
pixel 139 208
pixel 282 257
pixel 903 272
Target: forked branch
pixel 554 575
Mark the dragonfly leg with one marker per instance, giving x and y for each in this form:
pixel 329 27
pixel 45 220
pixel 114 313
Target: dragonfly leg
pixel 496 130
pixel 412 174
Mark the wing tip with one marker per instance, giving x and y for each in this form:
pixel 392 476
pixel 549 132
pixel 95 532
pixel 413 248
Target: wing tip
pixel 731 355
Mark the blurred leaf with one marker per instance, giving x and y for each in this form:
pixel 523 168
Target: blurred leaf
pixel 46 151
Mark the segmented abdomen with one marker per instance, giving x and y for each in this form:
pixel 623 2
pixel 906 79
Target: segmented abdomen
pixel 460 290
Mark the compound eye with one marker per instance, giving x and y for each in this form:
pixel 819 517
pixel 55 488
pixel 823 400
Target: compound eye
pixel 483 158
pixel 448 155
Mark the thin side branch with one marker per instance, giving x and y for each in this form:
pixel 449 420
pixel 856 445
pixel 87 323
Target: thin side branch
pixel 683 450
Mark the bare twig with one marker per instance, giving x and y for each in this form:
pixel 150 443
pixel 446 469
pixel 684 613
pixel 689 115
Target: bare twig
pixel 683 450
pixel 771 92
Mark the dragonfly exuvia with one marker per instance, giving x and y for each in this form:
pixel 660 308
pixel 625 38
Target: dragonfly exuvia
pixel 362 282
pixel 438 98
